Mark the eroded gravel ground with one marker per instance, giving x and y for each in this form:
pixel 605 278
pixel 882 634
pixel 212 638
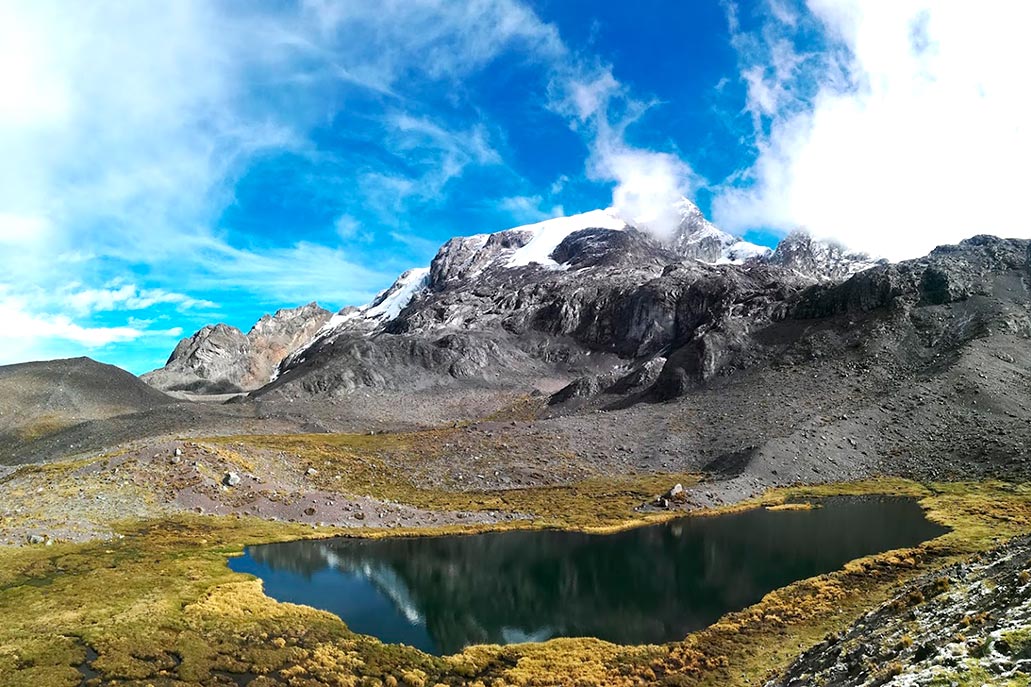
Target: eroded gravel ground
pixel 77 500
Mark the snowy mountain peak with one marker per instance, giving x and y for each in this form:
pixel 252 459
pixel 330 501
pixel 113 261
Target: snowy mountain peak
pixel 547 235
pixel 385 306
pixel 464 259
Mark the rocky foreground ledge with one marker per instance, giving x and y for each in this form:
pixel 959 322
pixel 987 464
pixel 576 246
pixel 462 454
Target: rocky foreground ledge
pixel 967 624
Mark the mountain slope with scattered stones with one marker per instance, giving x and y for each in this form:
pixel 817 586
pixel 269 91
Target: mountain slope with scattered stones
pixel 40 398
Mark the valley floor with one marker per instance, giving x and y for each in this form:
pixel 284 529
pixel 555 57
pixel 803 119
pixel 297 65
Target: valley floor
pixel 128 584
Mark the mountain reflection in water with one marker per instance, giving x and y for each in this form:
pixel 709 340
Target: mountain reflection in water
pixel 647 585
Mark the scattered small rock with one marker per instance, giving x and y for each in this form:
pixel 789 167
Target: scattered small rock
pixel 231 479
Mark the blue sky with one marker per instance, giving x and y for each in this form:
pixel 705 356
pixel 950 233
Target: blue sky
pixel 173 164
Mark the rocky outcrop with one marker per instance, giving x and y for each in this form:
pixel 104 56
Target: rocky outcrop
pixel 947 274
pixel 567 299
pixel 222 359
pixel 945 627
pixel 823 260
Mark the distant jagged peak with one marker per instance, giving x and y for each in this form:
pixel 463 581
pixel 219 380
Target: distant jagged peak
pixel 821 259
pixel 220 358
pixel 467 257
pixel 284 316
pixel 696 238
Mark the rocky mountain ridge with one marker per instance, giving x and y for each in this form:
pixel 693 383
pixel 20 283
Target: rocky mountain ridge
pixel 542 303
pixel 221 359
pixel 542 306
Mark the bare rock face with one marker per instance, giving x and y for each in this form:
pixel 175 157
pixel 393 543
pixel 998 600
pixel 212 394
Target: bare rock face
pixel 222 359
pixel 605 306
pixel 823 260
pixel 604 302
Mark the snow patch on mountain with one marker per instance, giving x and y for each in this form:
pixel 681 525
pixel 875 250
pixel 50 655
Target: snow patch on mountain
pixel 547 235
pixel 463 259
pixel 391 302
pixel 387 304
pixel 741 252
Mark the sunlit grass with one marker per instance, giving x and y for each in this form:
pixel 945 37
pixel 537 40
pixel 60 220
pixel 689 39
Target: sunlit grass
pixel 161 603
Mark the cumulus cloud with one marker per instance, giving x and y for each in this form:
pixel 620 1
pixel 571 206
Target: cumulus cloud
pixel 900 126
pixel 648 183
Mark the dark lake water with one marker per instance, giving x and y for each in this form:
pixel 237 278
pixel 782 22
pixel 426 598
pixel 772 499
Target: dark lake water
pixel 648 585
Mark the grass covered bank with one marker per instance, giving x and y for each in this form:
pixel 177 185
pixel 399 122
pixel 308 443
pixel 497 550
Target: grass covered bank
pixel 160 607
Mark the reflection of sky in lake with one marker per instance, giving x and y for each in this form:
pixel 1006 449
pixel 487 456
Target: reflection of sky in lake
pixel 651 584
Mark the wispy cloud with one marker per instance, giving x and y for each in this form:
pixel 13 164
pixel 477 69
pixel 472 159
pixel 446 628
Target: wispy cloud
pixel 648 183
pixel 30 333
pixel 125 128
pixel 130 297
pixel 529 209
pixel 892 127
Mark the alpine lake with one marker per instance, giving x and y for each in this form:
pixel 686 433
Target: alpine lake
pixel 651 584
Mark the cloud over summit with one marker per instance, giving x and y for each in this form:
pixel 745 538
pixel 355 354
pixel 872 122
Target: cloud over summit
pixel 892 127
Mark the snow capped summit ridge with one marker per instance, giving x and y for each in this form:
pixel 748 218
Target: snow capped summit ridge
pixel 387 305
pixel 547 235
pixel 464 258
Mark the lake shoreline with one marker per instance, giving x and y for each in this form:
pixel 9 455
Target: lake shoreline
pixel 184 557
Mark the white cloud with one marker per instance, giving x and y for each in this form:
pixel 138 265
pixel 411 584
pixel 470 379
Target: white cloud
pixel 444 39
pixel 130 297
pixel 908 131
pixel 125 127
pixel 293 274
pixel 26 333
pixel 648 183
pixel 434 154
pixel 22 230
pixel 348 228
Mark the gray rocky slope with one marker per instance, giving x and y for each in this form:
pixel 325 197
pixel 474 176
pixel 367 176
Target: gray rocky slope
pixel 966 624
pixel 41 397
pixel 805 365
